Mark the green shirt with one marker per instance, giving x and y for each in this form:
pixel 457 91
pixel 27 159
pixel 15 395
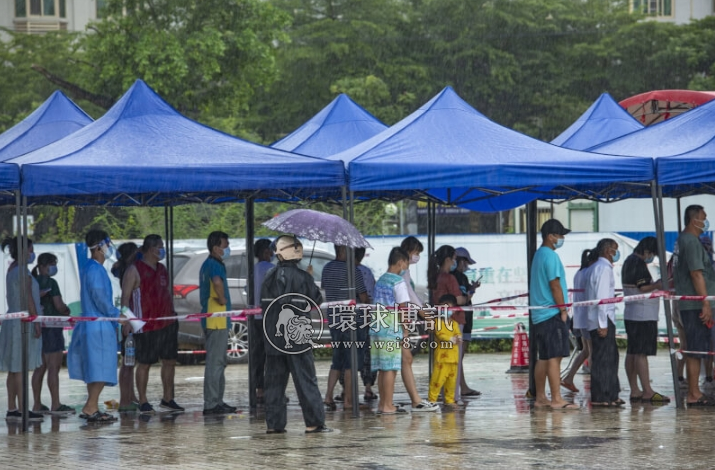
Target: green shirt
pixel 689 255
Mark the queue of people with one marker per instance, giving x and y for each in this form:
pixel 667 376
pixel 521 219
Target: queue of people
pixel 145 296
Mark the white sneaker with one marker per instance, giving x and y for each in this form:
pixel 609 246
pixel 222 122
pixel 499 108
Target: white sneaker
pixel 425 407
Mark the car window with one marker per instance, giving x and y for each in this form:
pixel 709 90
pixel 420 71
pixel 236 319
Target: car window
pixel 236 266
pixel 179 262
pixel 318 263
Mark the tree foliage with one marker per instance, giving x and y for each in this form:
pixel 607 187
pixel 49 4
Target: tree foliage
pixel 260 68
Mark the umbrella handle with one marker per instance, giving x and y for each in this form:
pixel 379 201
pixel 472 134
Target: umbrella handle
pixel 310 261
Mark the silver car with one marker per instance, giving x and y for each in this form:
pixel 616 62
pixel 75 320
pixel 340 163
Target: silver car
pixel 186 298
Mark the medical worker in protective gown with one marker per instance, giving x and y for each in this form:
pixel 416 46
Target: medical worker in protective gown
pixel 92 355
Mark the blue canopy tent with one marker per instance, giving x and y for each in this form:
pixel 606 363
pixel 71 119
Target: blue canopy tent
pixel 337 127
pixel 451 150
pixel 143 152
pixel 604 120
pixel 56 118
pixel 683 148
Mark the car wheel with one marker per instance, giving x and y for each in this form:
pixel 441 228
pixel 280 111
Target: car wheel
pixel 238 339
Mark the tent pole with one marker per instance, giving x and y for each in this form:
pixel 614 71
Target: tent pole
pixel 26 327
pixel 22 287
pixel 680 221
pixel 657 193
pixel 432 248
pixel 531 213
pixel 252 301
pixel 353 331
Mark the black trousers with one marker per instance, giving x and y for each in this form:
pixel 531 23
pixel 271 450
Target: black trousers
pixel 302 368
pixel 604 366
pixel 257 351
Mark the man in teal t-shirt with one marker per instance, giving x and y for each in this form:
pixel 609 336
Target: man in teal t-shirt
pixel 547 286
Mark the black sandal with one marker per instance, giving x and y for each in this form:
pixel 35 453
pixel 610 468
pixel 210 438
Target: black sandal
pixel 330 405
pixel 369 396
pixel 98 417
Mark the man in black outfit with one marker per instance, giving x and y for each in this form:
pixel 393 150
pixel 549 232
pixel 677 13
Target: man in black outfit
pixel 287 296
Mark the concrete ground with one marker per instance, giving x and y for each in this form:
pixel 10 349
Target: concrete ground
pixel 497 430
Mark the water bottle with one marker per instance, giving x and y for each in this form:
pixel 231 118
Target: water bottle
pixel 129 351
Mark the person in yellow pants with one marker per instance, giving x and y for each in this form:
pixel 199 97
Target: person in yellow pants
pixel 446 356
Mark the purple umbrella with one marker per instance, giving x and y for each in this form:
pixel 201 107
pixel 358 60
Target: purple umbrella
pixel 318 226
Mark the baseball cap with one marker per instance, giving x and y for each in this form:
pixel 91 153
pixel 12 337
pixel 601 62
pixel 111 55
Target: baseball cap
pixel 553 226
pixel 463 253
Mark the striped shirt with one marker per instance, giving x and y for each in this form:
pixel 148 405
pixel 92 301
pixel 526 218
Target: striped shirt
pixel 335 281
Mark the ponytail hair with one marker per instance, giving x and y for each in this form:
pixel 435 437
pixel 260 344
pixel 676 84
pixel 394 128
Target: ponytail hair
pixel 435 264
pixel 585 258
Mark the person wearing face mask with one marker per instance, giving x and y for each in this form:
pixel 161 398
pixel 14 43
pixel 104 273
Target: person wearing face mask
pixel 53 340
pixel 413 247
pixel 263 251
pixel 386 357
pixel 547 286
pixel 11 331
pixel 641 319
pixel 215 297
pixel 464 260
pixel 693 274
pixel 92 354
pixel 602 326
pixel 145 290
pixel 127 253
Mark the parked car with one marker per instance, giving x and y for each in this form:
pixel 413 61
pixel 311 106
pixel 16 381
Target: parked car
pixel 186 297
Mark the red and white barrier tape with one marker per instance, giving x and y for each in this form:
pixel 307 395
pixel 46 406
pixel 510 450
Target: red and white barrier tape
pixel 13 315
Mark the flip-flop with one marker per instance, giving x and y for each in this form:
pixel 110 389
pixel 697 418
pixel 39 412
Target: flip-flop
pixel 330 405
pixel 702 401
pixel 568 406
pixel 101 418
pixel 658 398
pixel 619 402
pixel 472 393
pixel 635 399
pixel 570 387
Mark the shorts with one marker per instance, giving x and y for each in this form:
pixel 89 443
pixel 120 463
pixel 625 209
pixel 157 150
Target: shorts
pixel 53 340
pixel 385 353
pixel 697 335
pixel 468 325
pixel 642 337
pixel 552 338
pixel 151 346
pixel 584 333
pixel 341 348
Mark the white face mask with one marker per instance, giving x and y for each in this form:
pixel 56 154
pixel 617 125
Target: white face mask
pixel 414 259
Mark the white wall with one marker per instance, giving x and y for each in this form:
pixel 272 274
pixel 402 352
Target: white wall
pixel 636 215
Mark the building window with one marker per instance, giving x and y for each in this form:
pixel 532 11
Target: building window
pixel 653 7
pixel 40 8
pixel 101 5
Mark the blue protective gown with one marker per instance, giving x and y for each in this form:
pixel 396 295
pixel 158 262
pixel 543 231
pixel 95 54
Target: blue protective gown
pixel 92 355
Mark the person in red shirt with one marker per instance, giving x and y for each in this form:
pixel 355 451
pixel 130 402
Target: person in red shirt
pixel 145 290
pixel 440 281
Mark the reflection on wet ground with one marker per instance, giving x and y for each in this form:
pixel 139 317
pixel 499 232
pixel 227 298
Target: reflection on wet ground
pixel 498 429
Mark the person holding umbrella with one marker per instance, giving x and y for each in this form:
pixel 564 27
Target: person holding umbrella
pixel 319 226
pixel 287 296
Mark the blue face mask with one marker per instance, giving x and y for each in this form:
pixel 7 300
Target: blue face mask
pixel 162 253
pixel 617 256
pixel 649 259
pixel 402 272
pixel 31 259
pixel 559 243
pixel 454 266
pixel 706 225
pixel 226 252
pixel 52 271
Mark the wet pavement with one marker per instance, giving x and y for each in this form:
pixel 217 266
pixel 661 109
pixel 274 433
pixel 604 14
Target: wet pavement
pixel 497 430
